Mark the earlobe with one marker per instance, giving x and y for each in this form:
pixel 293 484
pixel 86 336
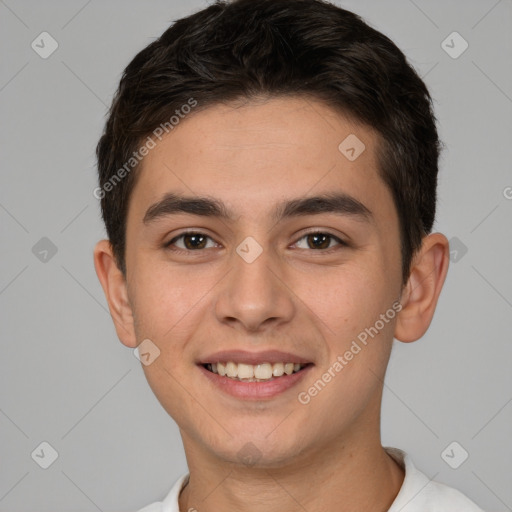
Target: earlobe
pixel 113 283
pixel 421 293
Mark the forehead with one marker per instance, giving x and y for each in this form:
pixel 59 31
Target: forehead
pixel 256 154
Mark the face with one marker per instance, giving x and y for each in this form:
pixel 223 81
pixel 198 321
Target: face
pixel 300 280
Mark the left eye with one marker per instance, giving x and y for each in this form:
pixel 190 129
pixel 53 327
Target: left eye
pixel 320 240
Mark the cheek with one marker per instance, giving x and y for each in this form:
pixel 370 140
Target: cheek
pixel 358 344
pixel 161 298
pixel 348 298
pixel 166 307
pixel 354 305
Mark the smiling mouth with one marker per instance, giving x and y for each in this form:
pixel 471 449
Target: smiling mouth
pixel 264 372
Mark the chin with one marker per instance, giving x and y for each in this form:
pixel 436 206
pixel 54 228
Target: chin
pixel 259 450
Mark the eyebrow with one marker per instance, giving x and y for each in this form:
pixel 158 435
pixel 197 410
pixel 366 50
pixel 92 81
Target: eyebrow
pixel 336 203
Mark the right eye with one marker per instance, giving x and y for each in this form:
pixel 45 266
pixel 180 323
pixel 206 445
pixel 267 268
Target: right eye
pixel 192 241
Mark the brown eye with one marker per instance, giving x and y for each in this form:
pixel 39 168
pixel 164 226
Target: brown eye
pixel 320 241
pixel 196 241
pixel 192 241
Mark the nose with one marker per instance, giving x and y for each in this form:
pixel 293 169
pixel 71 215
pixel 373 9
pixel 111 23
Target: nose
pixel 254 296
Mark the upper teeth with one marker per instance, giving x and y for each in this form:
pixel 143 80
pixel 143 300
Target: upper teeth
pixel 257 371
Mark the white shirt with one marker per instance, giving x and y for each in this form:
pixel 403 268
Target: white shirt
pixel 417 494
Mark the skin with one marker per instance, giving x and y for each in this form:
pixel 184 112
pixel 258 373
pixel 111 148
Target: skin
pixel 293 297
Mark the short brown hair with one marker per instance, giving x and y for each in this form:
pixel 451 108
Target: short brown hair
pixel 248 48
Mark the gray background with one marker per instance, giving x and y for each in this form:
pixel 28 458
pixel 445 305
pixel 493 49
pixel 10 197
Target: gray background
pixel 67 380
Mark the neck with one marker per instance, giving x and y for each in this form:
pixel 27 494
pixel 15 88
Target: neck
pixel 342 477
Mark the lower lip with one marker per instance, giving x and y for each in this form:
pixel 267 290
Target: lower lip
pixel 255 390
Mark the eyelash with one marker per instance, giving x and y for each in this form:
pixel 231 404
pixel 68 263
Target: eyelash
pixel 341 243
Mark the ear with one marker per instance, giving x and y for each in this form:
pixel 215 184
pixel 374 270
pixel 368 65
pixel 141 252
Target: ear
pixel 113 283
pixel 420 294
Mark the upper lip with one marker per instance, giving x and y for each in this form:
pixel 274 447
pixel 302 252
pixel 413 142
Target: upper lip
pixel 242 356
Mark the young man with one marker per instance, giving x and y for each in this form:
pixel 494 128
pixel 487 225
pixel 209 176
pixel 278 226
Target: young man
pixel 268 184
